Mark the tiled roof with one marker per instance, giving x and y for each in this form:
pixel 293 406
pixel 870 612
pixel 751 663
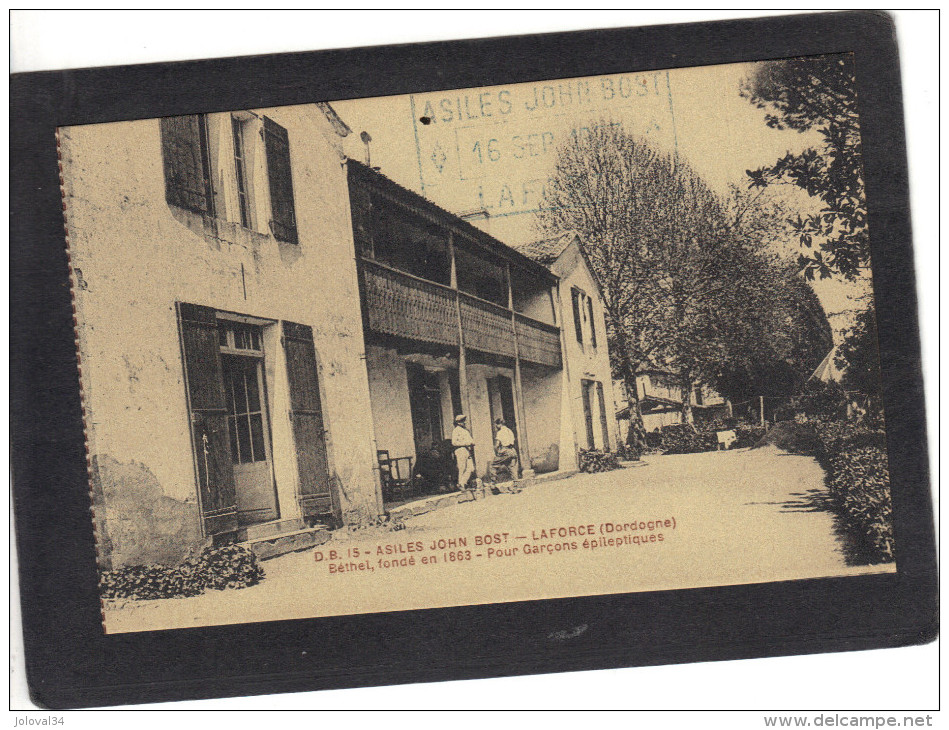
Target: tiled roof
pixel 547 250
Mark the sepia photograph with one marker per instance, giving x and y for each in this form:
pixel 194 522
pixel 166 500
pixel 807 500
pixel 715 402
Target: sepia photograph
pixel 502 371
pixel 576 337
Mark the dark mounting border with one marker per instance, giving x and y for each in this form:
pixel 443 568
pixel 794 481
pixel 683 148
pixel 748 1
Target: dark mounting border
pixel 71 663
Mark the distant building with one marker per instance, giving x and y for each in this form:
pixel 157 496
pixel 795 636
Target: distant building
pixel 660 401
pixel 586 352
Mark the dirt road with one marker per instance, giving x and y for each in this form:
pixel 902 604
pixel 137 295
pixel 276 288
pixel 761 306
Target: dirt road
pixel 677 522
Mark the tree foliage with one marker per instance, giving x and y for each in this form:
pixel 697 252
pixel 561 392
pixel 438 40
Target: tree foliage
pixel 689 282
pixel 818 94
pixel 859 357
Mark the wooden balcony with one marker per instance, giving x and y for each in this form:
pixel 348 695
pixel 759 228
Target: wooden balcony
pixel 403 305
pixel 406 306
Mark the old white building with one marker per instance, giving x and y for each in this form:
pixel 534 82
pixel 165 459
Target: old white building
pixel 588 376
pixel 222 353
pixel 265 324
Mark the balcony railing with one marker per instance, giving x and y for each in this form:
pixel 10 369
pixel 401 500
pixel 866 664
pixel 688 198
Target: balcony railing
pixel 537 342
pixel 406 306
pixel 486 326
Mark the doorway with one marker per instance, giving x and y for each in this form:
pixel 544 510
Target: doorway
pixel 501 402
pixel 425 401
pixel 249 433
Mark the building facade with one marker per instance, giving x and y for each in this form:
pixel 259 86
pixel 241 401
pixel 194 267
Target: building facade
pixel 455 323
pixel 263 322
pixel 222 347
pixel 660 401
pixel 589 382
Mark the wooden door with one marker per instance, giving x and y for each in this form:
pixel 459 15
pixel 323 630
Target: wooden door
pixel 208 409
pixel 250 441
pixel 314 492
pixel 425 403
pixel 601 402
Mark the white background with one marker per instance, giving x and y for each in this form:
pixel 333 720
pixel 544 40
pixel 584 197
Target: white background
pixel 893 680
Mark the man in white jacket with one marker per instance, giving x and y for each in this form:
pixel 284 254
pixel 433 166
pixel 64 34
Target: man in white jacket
pixel 462 442
pixel 505 455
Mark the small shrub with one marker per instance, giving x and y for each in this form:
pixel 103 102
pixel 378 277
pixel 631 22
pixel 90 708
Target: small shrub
pixel 593 460
pixel 654 439
pixel 230 566
pixel 793 437
pixel 681 438
pixel 748 436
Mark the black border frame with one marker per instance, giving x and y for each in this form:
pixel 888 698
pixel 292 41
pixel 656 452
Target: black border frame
pixel 71 663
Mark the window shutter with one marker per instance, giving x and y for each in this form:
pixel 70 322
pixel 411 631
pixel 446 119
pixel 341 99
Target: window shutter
pixel 592 322
pixel 306 412
pixel 603 416
pixel 283 222
pixel 588 412
pixel 187 180
pixel 577 321
pixel 208 410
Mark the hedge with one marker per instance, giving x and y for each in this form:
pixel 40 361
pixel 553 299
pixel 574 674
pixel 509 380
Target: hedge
pixel 680 438
pixel 859 483
pixel 230 566
pixel 858 476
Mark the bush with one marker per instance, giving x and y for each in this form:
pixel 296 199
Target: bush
pixel 859 482
pixel 593 460
pixel 681 438
pixel 822 400
pixel 748 436
pixel 837 436
pixel 793 437
pixel 230 566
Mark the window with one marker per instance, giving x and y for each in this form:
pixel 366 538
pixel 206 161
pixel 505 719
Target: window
pixel 575 295
pixel 187 162
pixel 193 168
pixel 283 222
pixel 583 309
pixel 240 171
pixel 592 322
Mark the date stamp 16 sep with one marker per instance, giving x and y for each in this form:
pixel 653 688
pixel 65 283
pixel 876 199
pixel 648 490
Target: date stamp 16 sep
pixel 491 149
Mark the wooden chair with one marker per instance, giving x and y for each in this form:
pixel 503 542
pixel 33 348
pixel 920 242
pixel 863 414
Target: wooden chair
pixel 398 480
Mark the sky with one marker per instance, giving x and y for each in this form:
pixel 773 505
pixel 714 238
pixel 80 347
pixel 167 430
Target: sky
pixel 492 148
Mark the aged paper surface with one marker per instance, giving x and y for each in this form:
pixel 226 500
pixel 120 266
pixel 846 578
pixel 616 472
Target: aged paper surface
pixel 564 338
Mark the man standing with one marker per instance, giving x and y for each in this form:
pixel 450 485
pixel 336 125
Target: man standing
pixel 463 443
pixel 505 453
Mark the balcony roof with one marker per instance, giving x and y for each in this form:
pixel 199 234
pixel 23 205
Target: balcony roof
pixel 435 213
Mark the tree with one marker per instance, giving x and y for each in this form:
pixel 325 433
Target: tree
pixel 818 94
pixel 688 283
pixel 859 357
pixel 774 329
pixel 613 191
